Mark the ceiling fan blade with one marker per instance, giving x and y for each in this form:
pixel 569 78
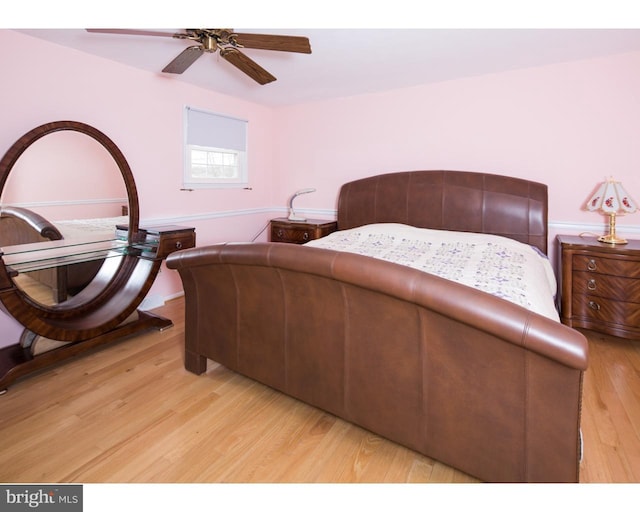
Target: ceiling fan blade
pixel 247 65
pixel 296 44
pixel 129 32
pixel 184 60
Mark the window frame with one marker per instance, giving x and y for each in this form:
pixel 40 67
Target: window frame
pixel 238 127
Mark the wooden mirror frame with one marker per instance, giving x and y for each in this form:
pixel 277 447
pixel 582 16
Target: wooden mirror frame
pixel 118 295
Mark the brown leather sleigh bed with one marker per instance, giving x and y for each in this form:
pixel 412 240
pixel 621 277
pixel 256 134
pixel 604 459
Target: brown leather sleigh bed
pixel 458 374
pixel 23 226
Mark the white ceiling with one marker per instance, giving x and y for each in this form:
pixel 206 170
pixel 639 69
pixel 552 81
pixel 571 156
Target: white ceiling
pixel 346 62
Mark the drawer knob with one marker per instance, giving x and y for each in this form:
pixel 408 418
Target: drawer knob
pixel 280 233
pixel 305 236
pixel 592 265
pixel 591 284
pixel 594 305
pixel 178 245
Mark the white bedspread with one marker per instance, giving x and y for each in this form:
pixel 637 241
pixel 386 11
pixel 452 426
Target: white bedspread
pixel 497 265
pixel 80 228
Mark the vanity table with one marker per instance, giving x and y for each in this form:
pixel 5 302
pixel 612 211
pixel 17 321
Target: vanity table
pixel 74 284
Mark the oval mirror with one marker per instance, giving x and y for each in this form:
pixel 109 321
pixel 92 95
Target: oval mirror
pixel 65 184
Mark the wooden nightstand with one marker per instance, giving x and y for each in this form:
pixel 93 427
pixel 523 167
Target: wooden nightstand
pixel 157 242
pixel 163 240
pixel 285 230
pixel 600 285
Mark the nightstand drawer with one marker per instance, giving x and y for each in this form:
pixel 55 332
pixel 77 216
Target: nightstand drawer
pixel 610 266
pixel 607 286
pixel 160 241
pixel 284 230
pixel 292 235
pixel 176 242
pixel 606 311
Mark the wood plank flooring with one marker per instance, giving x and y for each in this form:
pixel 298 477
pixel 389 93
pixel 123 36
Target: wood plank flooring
pixel 131 413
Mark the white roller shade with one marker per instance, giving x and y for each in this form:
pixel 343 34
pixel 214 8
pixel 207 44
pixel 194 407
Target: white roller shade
pixel 215 131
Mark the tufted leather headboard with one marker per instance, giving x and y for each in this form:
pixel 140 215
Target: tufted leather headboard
pixel 451 200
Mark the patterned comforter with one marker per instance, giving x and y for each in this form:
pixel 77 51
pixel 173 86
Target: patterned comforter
pixel 497 265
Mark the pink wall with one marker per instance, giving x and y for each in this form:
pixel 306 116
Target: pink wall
pixel 142 113
pixel 58 160
pixel 567 125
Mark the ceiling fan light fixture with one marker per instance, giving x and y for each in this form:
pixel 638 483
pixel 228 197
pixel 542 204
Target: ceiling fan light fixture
pixel 209 43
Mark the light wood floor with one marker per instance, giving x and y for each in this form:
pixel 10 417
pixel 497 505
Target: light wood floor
pixel 131 413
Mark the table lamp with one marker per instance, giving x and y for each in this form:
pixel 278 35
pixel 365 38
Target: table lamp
pixel 612 199
pixel 292 214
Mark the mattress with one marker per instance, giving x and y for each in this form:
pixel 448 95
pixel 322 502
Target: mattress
pixel 503 267
pixel 80 228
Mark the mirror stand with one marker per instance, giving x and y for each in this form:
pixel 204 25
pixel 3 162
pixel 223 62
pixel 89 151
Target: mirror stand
pixel 98 280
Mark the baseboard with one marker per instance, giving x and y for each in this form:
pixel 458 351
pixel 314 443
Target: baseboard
pixel 151 302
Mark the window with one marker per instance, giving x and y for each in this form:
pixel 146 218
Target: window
pixel 215 150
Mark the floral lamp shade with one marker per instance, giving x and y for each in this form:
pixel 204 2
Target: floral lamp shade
pixel 612 199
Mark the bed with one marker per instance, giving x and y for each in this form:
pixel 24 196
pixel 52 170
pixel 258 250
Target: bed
pixel 20 226
pixel 465 375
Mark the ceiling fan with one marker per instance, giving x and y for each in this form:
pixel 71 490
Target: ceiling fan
pixel 228 43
